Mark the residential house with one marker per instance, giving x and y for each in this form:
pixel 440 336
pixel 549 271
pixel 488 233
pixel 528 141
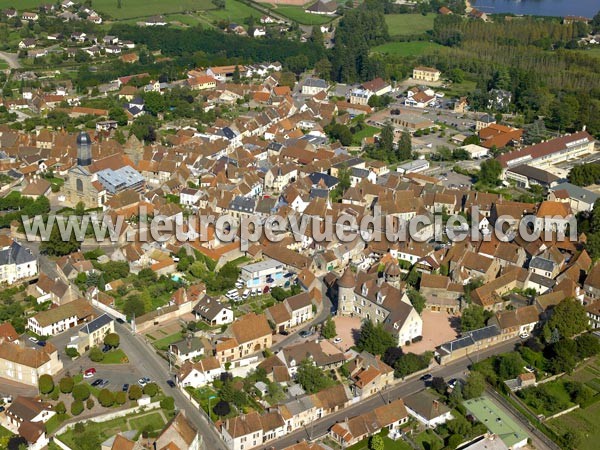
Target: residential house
pixel 200 373
pixel 427 408
pixel 56 320
pixel 428 74
pixel 17 263
pixel 26 364
pixel 92 334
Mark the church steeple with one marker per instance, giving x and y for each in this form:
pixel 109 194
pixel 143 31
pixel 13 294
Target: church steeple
pixel 84 149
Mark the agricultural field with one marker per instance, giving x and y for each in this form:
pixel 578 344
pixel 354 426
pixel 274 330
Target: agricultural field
pixel 143 8
pixel 234 11
pixel 297 14
pixel 408 24
pixel 407 49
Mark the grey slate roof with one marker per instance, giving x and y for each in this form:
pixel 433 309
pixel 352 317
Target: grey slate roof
pixel 577 192
pixel 96 324
pixel 16 254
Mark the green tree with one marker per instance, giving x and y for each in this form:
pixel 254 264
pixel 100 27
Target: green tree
pixel 81 392
pixel 151 389
pixel 112 340
pixel 168 403
pixel 417 300
pixel 89 403
pixel 45 384
pixel 117 113
pixel 410 363
pixel 472 317
pixel 587 345
pixel 96 354
pixel 311 378
pixel 490 171
pixel 569 318
pixel 474 386
pixel 60 408
pixel 404 146
pixel 376 443
pixel 135 392
pixel 375 339
pixel 328 331
pixel 510 365
pixel 76 407
pixel 121 398
pixel 66 385
pixel 106 398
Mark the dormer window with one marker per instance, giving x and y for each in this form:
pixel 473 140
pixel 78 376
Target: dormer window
pixel 380 297
pixel 365 290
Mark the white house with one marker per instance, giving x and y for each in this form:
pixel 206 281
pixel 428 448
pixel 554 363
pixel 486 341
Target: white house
pixel 428 409
pixel 200 373
pixel 16 262
pixel 57 320
pixel 213 312
pixel 313 86
pixel 263 273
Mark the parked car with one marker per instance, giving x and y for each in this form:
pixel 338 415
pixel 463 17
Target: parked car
pixel 119 320
pixel 2 409
pixel 337 340
pixel 32 339
pixel 125 387
pixel 524 335
pixel 171 383
pixel 104 384
pixel 246 294
pixel 426 378
pixel 305 333
pixel 89 373
pixel 143 381
pixel 41 343
pixel 98 382
pixel 284 333
pixel 106 349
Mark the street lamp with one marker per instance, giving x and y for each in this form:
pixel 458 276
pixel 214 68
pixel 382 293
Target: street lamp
pixel 209 399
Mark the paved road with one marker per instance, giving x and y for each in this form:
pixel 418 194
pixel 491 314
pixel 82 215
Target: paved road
pixel 410 386
pixel 149 364
pixel 11 59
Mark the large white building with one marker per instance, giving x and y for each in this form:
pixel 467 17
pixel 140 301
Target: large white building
pixel 57 320
pixel 16 262
pixel 261 274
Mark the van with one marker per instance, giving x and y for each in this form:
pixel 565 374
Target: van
pixel 232 291
pixel 246 294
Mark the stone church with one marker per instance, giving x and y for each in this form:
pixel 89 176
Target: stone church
pixel 82 185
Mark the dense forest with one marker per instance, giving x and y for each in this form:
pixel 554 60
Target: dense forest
pixel 531 58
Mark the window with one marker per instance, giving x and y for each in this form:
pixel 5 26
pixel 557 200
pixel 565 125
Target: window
pixel 79 184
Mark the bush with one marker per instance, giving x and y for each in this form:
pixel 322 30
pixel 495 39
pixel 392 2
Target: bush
pixel 120 398
pixel 72 352
pixel 60 408
pixel 81 392
pixel 96 354
pixel 89 404
pixel 66 385
pixel 76 407
pixel 106 398
pixel 151 389
pixel 168 403
pixel 112 340
pixel 55 394
pixel 135 392
pixel 46 384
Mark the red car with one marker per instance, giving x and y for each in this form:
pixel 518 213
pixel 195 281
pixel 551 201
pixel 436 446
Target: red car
pixel 89 373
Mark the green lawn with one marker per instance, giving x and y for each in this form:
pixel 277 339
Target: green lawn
pixel 298 14
pixel 145 8
pixel 389 445
pixel 367 131
pixel 4 432
pixel 154 420
pixel 234 11
pixel 585 421
pixel 55 422
pixel 426 439
pixel 407 24
pixel 3 65
pixel 163 344
pixel 413 48
pixel 117 356
pixel 20 4
pixel 460 89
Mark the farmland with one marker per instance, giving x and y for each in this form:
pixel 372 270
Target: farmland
pixel 406 49
pixel 409 24
pixel 297 14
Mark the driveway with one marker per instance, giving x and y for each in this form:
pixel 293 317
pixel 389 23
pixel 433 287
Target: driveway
pixel 348 329
pixel 437 329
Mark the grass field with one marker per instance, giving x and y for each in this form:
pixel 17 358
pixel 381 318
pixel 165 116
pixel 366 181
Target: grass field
pixel 154 421
pixel 144 8
pixel 407 24
pixel 297 14
pixel 367 131
pixel 585 421
pixel 234 11
pixel 413 48
pixel 389 445
pixel 163 344
pixel 3 65
pixel 117 356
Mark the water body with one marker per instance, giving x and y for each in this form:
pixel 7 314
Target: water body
pixel 585 8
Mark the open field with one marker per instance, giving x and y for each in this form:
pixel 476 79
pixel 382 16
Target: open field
pixel 389 445
pixel 234 11
pixel 407 24
pixel 144 8
pixel 413 48
pixel 297 14
pixel 367 131
pixel 20 4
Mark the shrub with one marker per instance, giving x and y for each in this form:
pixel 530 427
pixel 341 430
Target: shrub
pixel 151 389
pixel 46 384
pixel 96 354
pixel 112 340
pixel 89 404
pixel 81 392
pixel 60 408
pixel 66 385
pixel 106 398
pixel 135 392
pixel 76 407
pixel 120 398
pixel 168 403
pixel 72 352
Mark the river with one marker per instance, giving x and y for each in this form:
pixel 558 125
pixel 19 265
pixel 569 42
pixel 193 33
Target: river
pixel 585 8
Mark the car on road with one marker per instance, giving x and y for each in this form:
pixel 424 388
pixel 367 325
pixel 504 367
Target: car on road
pixel 426 378
pixel 89 373
pixel 452 383
pixel 284 333
pixel 305 333
pixel 337 340
pixel 171 383
pixel 125 387
pixel 98 382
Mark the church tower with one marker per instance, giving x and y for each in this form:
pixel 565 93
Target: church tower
pixel 346 285
pixel 84 149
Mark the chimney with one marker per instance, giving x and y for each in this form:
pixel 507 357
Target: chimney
pixel 436 405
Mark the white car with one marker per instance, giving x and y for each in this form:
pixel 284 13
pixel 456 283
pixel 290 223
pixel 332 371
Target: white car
pixel 246 294
pixel 239 284
pixel 337 340
pixel 524 335
pixel 32 339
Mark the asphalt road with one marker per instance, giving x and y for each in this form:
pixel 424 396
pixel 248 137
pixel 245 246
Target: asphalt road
pixel 149 364
pixel 409 386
